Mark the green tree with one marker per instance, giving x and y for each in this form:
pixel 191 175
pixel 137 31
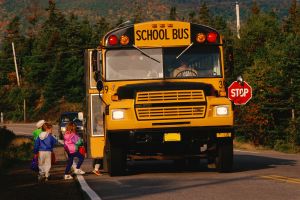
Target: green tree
pixel 255 8
pixel 137 12
pixel 204 15
pixel 258 58
pixel 173 13
pixel 192 17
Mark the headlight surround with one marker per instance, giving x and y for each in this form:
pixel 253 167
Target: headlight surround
pixel 118 114
pixel 222 110
pixel 63 129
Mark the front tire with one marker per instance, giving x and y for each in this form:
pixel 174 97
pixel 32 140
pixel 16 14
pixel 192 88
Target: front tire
pixel 224 159
pixel 115 158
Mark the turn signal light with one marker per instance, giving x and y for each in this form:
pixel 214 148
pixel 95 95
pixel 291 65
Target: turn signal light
pixel 212 37
pixel 112 40
pixel 200 37
pixel 124 40
pixel 114 98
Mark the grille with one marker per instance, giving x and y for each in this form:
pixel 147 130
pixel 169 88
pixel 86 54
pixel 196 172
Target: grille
pixel 170 112
pixel 170 96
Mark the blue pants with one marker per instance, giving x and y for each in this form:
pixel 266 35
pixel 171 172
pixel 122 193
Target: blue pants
pixel 70 161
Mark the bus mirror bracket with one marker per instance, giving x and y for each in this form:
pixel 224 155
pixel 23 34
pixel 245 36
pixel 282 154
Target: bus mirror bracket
pixel 99 85
pixel 94 60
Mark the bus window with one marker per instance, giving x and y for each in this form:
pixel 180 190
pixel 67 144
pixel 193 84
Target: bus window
pixel 196 63
pixel 131 64
pixel 96 116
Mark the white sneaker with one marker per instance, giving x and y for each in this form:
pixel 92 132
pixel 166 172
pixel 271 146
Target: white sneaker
pixel 41 178
pixel 79 172
pixel 68 177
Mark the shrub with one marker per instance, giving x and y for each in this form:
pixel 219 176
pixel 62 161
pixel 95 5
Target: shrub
pixel 6 136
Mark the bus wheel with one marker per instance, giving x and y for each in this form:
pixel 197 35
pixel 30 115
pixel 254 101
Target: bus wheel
pixel 224 159
pixel 115 158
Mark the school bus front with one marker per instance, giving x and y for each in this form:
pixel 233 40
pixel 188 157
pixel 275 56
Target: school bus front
pixel 162 86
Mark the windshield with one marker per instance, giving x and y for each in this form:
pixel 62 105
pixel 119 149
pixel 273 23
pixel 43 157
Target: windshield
pixel 159 63
pixel 195 62
pixel 69 117
pixel 131 64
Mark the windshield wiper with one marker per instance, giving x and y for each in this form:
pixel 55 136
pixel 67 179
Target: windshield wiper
pixel 144 53
pixel 184 50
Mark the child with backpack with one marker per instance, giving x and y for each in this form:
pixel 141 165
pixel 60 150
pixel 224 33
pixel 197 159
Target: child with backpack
pixel 43 147
pixel 72 142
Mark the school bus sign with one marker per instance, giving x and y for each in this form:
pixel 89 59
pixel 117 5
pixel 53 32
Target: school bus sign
pixel 239 93
pixel 156 34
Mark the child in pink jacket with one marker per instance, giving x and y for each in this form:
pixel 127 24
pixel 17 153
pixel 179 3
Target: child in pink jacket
pixel 71 143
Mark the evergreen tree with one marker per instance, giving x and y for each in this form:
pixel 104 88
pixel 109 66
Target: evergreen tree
pixel 292 23
pixel 99 30
pixel 192 17
pixel 173 14
pixel 12 94
pixel 257 58
pixel 255 8
pixel 204 15
pixel 137 12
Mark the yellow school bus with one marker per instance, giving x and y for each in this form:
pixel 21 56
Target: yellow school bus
pixel 155 90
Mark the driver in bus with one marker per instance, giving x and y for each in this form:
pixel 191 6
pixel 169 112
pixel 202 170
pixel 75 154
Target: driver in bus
pixel 184 70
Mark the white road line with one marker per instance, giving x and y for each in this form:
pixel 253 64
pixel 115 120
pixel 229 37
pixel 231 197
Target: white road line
pixel 85 187
pixel 246 151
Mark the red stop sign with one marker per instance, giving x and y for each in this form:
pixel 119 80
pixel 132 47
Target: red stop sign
pixel 239 93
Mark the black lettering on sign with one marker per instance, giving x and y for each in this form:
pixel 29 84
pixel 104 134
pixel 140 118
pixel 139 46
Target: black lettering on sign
pixel 144 34
pixel 180 33
pixel 186 33
pixel 106 89
pixel 161 34
pixel 155 34
pixel 166 34
pixel 149 35
pixel 174 34
pixel 138 33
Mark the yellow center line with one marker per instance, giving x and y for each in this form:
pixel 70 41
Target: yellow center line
pixel 282 178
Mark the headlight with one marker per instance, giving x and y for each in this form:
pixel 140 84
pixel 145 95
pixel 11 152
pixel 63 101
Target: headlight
pixel 222 110
pixel 117 114
pixel 63 129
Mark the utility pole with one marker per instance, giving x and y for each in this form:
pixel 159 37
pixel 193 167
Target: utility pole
pixel 18 79
pixel 238 26
pixel 15 60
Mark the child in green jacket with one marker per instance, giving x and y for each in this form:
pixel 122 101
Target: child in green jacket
pixel 38 129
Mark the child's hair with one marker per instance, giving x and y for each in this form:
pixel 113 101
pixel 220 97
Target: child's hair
pixel 46 126
pixel 71 127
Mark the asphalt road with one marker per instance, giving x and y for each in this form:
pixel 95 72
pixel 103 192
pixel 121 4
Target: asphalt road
pixel 263 175
pixel 26 129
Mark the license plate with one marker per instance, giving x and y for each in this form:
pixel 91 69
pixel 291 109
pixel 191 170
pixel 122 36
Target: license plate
pixel 172 137
pixel 222 135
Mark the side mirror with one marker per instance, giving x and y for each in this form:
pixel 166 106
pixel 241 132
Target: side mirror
pixel 80 116
pixel 99 85
pixel 97 64
pixel 240 79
